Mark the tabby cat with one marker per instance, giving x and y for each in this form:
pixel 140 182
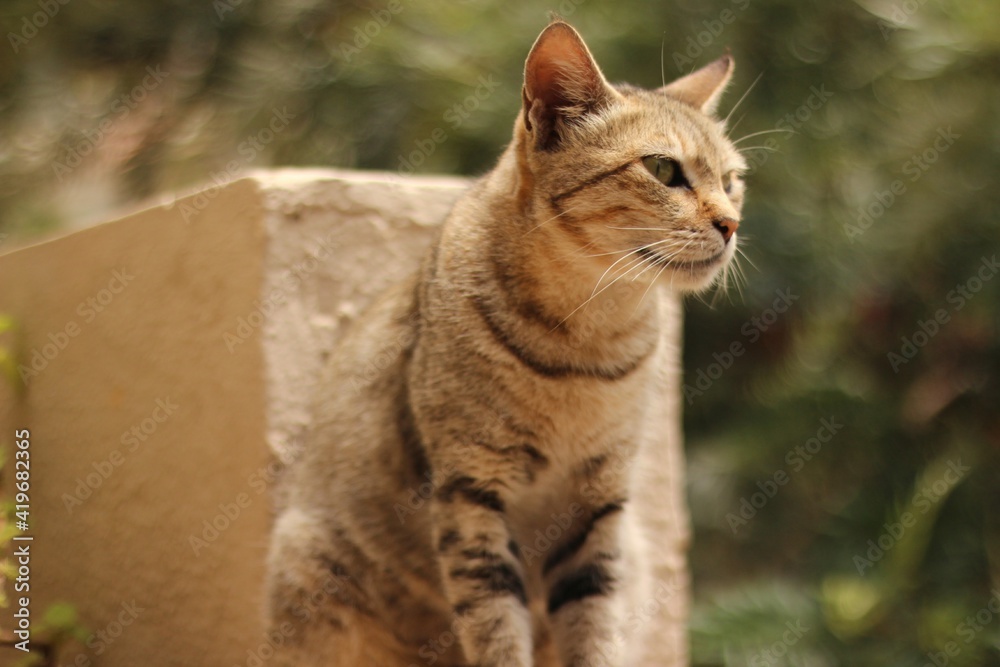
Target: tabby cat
pixel 521 397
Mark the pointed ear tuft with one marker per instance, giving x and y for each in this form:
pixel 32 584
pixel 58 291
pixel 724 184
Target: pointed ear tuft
pixel 703 88
pixel 561 82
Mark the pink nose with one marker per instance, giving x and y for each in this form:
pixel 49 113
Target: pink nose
pixel 727 227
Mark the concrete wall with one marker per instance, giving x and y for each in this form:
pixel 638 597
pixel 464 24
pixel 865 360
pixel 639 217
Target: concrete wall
pixel 168 357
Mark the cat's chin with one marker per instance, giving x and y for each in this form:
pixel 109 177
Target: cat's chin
pixel 695 276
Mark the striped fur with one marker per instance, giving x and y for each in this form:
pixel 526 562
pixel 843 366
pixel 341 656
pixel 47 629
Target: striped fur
pixel 471 504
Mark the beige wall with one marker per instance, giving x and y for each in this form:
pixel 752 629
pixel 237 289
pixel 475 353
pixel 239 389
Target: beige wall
pixel 183 344
pixel 158 339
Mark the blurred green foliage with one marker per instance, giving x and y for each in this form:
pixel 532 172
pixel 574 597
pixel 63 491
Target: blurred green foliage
pixel 872 542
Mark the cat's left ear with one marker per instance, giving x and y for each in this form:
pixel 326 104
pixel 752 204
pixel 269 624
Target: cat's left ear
pixel 703 88
pixel 562 82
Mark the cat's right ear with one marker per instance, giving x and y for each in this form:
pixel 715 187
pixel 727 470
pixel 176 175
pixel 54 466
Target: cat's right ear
pixel 703 88
pixel 562 82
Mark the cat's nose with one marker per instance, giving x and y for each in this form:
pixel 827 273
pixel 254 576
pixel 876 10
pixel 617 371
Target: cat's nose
pixel 727 227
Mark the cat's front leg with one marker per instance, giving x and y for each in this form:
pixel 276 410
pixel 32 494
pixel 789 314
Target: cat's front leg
pixel 585 580
pixel 482 573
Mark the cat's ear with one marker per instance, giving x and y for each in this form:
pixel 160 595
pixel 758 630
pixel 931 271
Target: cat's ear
pixel 703 88
pixel 561 82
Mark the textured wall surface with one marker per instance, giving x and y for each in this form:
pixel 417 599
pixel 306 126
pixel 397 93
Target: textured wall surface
pixel 113 511
pixel 169 355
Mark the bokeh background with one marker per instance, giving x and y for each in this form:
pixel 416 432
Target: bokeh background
pixel 842 406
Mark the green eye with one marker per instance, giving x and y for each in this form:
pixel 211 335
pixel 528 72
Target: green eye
pixel 665 170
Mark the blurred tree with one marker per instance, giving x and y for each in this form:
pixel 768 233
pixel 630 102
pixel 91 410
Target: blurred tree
pixel 843 465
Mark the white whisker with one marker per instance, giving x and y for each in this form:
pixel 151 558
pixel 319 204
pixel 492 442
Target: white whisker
pixel 736 124
pixel 746 257
pixel 743 97
pixel 648 287
pixel 601 279
pixel 663 72
pixel 550 220
pixel 613 252
pixel 638 229
pixel 663 261
pixel 577 251
pixel 636 263
pixel 594 296
pixel 762 132
pixel 723 289
pixel 635 250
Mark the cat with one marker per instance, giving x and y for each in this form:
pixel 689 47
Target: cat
pixel 519 399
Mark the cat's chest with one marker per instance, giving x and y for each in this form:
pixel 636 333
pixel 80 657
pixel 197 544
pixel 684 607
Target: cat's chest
pixel 576 417
pixel 578 427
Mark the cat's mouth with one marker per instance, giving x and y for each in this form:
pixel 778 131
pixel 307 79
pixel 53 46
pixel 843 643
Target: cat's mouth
pixel 659 260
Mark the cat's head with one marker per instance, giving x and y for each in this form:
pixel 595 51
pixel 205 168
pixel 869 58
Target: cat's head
pixel 644 183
